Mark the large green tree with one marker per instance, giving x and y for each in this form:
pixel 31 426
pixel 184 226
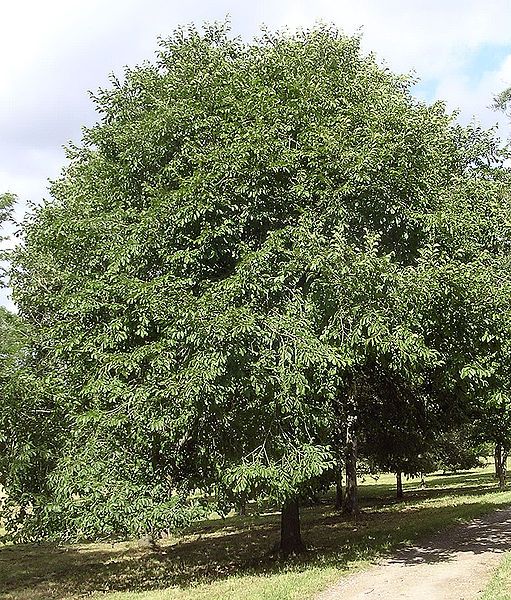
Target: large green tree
pixel 247 234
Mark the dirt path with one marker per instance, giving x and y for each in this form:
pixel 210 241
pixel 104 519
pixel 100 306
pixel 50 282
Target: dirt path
pixel 452 565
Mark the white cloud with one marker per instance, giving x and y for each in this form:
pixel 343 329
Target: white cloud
pixel 475 99
pixel 435 39
pixel 431 37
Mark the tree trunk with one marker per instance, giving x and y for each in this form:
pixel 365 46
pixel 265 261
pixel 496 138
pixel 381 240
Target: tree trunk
pixel 242 507
pixel 150 540
pixel 338 486
pixel 399 485
pixel 423 480
pixel 290 534
pixel 503 470
pixel 350 505
pixel 501 465
pixel 156 457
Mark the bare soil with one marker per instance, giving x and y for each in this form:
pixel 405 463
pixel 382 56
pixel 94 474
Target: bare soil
pixel 455 564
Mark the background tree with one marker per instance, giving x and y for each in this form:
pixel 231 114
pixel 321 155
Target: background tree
pixel 7 202
pixel 458 449
pixel 400 425
pixel 503 100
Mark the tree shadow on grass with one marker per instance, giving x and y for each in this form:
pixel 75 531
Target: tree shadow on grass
pixel 215 550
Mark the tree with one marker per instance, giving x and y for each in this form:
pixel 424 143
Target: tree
pixel 458 450
pixel 492 425
pixel 7 202
pixel 400 424
pixel 502 101
pixel 247 233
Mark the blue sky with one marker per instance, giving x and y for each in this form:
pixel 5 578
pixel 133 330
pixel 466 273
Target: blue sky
pixel 53 51
pixel 477 64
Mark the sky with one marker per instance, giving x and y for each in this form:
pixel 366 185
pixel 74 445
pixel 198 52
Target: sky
pixel 53 52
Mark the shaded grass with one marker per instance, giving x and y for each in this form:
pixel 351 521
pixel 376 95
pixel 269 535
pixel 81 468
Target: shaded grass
pixel 229 558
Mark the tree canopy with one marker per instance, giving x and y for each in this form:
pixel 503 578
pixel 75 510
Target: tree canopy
pixel 254 244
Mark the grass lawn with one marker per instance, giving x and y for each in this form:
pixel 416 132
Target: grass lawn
pixel 499 587
pixel 229 558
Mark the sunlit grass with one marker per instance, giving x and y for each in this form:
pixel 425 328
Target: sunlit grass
pixel 230 559
pixel 499 586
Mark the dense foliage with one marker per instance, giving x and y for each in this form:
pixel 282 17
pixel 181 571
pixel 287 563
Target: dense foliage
pixel 257 252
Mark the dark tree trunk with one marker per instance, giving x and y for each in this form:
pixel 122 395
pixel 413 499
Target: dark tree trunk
pixel 423 480
pixel 501 465
pixel 290 534
pixel 338 486
pixel 399 485
pixel 503 470
pixel 242 508
pixel 503 476
pixel 350 505
pixel 156 457
pixel 150 540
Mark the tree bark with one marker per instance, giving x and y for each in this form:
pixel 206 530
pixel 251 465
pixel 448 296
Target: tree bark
pixel 338 486
pixel 503 470
pixel 501 465
pixel 290 534
pixel 156 457
pixel 350 505
pixel 242 507
pixel 399 485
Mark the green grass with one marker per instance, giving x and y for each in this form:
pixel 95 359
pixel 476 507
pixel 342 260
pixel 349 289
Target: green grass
pixel 230 559
pixel 499 586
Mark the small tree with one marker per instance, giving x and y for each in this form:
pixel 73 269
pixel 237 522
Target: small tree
pixel 400 426
pixel 7 202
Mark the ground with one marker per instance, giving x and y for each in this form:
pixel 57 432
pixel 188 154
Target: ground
pixel 230 560
pixel 455 564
